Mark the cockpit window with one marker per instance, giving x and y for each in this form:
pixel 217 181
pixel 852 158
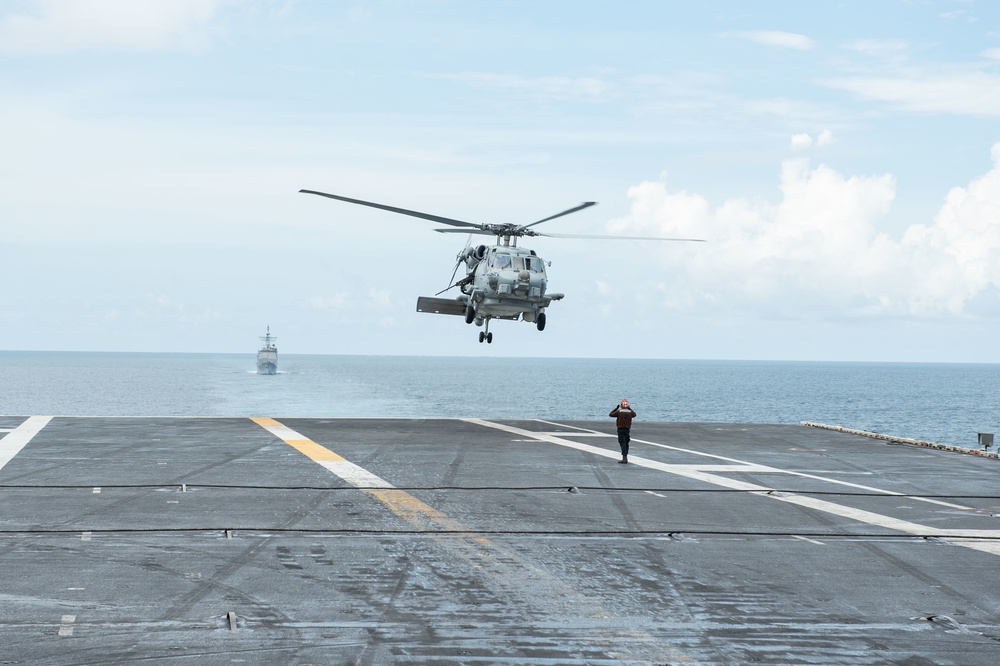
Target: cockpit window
pixel 516 262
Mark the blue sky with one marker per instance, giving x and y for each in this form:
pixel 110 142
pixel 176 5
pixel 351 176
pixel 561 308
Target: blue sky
pixel 841 158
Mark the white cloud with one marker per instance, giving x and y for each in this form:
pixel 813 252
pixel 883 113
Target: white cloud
pixel 788 40
pixel 801 141
pixel 960 91
pixel 818 253
pixel 65 26
pixel 804 141
pixel 888 74
pixel 963 243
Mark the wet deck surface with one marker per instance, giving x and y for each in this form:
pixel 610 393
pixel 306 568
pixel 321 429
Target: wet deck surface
pixel 309 541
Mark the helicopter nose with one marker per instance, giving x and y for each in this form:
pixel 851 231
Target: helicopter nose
pixel 524 276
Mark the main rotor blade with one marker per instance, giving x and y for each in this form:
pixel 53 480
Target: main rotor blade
pixel 585 204
pixel 481 232
pixel 654 238
pixel 393 209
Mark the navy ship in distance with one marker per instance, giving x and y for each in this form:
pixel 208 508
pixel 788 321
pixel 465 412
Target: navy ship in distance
pixel 267 355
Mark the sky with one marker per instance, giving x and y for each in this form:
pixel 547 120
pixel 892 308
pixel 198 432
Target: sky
pixel 841 159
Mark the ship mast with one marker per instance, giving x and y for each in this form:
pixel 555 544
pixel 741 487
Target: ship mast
pixel 268 340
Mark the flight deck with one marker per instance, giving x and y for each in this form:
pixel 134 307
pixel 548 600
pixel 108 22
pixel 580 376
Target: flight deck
pixel 278 540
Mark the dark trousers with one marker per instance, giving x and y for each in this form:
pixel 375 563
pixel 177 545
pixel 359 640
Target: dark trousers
pixel 623 440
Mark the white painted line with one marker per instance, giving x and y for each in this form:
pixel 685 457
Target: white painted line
pixel 802 538
pixel 16 439
pixel 355 475
pixel 583 434
pixel 860 515
pixel 774 470
pixel 563 427
pixel 97 490
pixel 284 433
pixel 66 628
pixel 656 494
pixel 838 482
pixel 748 467
pixel 86 536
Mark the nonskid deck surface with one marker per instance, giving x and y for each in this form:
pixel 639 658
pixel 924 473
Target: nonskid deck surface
pixel 370 541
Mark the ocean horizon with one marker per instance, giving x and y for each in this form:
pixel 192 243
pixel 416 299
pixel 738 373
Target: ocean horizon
pixel 948 403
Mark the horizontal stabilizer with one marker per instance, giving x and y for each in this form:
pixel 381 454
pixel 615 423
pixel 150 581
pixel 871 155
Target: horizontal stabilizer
pixel 448 306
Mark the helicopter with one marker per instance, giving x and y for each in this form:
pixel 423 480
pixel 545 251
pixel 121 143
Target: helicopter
pixel 503 281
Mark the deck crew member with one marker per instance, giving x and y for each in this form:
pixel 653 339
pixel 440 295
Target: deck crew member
pixel 623 414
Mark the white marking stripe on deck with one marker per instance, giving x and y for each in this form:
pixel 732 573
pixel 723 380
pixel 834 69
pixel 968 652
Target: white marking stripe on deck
pixel 66 627
pixel 16 439
pixel 756 467
pixel 860 515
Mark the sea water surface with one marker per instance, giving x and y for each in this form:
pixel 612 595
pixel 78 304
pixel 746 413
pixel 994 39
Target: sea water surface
pixel 945 403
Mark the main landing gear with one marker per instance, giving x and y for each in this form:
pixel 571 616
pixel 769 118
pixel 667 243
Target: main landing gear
pixel 486 335
pixel 470 316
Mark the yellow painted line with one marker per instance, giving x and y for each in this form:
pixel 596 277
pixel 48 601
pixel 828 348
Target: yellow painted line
pixel 403 504
pixel 312 450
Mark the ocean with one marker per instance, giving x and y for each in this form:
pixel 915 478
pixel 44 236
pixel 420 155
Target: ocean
pixel 944 403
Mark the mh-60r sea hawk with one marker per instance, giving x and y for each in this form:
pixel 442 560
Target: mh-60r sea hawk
pixel 501 282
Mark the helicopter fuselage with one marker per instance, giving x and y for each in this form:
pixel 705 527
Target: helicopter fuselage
pixel 505 282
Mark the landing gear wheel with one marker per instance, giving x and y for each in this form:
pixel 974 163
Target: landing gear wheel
pixel 470 314
pixel 540 321
pixel 485 334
